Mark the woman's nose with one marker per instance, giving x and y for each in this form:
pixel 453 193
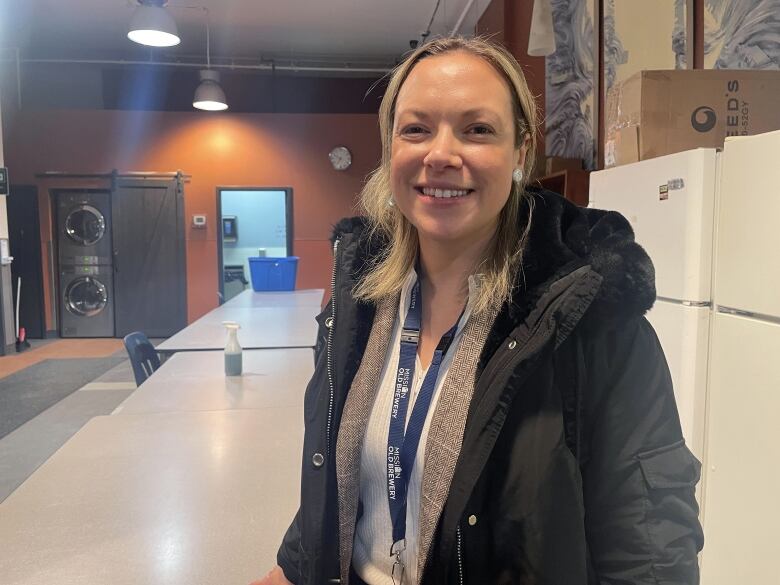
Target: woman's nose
pixel 444 151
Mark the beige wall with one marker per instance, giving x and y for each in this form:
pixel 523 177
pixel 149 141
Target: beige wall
pixel 645 30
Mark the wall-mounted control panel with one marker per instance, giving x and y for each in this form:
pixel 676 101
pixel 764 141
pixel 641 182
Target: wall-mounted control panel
pixel 3 181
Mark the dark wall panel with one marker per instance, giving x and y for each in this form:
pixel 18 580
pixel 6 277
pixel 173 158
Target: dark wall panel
pixel 149 264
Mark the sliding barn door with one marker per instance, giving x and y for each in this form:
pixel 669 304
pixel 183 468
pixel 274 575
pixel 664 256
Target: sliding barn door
pixel 150 276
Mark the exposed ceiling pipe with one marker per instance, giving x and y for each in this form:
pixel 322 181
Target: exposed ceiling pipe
pixel 426 33
pixel 462 17
pixel 260 67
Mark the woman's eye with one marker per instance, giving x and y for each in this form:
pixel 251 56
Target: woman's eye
pixel 481 129
pixel 413 130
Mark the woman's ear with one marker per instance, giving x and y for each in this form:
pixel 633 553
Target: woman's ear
pixel 522 151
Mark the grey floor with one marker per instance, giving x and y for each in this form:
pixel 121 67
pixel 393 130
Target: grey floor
pixel 26 448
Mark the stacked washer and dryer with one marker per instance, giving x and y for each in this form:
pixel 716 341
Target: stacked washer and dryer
pixel 85 264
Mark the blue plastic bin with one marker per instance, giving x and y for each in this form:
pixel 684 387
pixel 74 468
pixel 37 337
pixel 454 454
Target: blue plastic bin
pixel 273 273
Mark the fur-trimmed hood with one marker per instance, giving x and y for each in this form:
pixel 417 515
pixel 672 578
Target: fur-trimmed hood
pixel 563 237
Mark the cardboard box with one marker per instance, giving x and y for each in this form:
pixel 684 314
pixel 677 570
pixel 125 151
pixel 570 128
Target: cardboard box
pixel 654 113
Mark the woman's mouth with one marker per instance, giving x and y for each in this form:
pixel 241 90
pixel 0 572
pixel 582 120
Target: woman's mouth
pixel 443 193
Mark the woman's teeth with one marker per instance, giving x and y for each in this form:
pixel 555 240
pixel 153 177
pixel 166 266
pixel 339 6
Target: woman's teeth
pixel 439 193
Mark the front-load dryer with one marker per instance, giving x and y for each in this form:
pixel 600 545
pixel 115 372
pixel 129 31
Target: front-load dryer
pixel 84 227
pixel 86 301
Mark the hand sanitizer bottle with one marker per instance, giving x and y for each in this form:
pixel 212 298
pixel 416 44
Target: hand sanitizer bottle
pixel 232 350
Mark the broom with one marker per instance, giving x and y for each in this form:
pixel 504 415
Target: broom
pixel 21 334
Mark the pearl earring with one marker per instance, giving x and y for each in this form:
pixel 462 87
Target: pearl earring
pixel 390 202
pixel 517 175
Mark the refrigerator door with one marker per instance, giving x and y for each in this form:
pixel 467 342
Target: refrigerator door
pixel 742 473
pixel 684 333
pixel 747 270
pixel 669 202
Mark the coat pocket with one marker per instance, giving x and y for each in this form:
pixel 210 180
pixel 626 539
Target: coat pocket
pixel 671 514
pixel 670 467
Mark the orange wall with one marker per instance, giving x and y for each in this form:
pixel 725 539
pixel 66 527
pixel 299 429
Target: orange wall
pixel 254 150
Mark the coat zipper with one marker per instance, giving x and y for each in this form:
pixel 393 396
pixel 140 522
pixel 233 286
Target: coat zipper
pixel 460 556
pixel 329 351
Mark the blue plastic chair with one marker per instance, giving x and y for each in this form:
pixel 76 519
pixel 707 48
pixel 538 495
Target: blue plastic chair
pixel 143 356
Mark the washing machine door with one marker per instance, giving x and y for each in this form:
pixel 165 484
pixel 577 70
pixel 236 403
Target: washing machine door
pixel 86 296
pixel 85 225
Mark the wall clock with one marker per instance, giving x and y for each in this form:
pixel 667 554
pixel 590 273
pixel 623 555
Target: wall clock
pixel 340 157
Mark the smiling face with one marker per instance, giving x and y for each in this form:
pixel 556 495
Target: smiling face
pixel 453 148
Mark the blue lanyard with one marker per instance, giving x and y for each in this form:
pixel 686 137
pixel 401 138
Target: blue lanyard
pixel 402 446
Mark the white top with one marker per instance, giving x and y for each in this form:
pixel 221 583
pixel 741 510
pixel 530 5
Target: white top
pixel 373 535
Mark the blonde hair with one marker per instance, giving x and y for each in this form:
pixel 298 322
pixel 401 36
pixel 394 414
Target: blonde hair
pixel 499 269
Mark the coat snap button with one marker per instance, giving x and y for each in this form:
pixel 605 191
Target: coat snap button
pixel 329 322
pixel 512 344
pixel 472 520
pixel 318 459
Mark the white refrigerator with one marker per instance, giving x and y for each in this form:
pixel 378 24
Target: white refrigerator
pixel 711 224
pixel 670 203
pixel 742 473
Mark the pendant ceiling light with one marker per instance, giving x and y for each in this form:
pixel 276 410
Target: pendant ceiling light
pixel 151 25
pixel 209 95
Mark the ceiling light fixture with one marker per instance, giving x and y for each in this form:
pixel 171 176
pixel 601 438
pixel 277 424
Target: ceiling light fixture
pixel 209 95
pixel 151 25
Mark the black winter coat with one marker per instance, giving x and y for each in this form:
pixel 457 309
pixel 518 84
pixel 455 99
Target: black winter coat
pixel 573 469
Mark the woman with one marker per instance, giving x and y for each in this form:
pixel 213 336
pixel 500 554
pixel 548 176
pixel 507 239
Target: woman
pixel 488 403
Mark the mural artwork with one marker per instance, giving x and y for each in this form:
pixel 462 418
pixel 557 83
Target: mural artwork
pixel 742 34
pixel 571 83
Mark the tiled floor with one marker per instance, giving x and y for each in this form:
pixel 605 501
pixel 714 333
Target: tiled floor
pixel 26 448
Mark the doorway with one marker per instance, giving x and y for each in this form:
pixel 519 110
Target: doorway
pixel 251 222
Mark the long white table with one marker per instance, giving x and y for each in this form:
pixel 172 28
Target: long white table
pixel 261 328
pixel 296 298
pixel 175 498
pixel 190 381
